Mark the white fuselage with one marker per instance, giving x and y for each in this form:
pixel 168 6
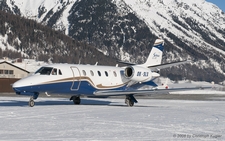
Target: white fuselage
pixel 71 78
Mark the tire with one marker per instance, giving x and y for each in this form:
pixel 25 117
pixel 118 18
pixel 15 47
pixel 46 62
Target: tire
pixel 129 102
pixel 31 103
pixel 76 100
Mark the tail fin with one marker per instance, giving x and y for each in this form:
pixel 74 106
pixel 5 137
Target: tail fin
pixel 155 56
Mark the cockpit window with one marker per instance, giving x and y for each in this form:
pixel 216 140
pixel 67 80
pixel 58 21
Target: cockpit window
pixel 54 71
pixel 44 71
pixel 60 73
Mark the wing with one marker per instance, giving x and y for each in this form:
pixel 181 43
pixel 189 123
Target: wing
pixel 145 92
pixel 162 66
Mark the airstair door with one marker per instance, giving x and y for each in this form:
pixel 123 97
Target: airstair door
pixel 76 79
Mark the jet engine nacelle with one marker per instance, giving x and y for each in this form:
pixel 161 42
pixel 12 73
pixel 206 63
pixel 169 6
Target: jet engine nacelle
pixel 137 73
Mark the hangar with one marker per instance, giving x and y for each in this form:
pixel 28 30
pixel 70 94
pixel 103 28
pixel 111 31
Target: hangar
pixel 10 73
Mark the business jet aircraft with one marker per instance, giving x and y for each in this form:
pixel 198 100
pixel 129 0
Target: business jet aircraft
pixel 94 80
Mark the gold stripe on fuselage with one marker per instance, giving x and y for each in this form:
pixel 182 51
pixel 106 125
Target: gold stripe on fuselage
pixel 84 78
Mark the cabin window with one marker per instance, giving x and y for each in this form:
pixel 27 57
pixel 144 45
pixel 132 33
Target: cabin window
pixel 114 72
pixel 84 72
pixel 92 73
pixel 106 74
pixel 60 73
pixel 44 71
pixel 1 71
pixel 99 73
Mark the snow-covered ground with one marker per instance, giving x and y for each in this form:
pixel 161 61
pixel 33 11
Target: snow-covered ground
pixel 110 119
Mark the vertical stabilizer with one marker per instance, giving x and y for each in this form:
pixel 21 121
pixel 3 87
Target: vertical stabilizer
pixel 155 56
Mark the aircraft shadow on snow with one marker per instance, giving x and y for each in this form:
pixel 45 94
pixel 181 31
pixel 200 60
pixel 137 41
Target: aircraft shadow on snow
pixel 56 102
pixel 21 103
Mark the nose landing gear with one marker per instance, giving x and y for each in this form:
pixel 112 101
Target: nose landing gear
pixel 31 101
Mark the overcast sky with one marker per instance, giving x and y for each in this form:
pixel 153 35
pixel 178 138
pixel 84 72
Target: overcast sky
pixel 219 3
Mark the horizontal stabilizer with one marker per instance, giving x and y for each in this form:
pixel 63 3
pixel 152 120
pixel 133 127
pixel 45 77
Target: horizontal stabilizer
pixel 163 66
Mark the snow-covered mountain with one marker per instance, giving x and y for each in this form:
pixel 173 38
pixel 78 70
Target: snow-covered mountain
pixel 192 29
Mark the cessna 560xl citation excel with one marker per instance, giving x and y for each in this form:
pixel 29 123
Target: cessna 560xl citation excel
pixel 93 80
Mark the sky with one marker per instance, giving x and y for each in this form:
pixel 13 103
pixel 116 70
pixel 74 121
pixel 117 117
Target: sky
pixel 219 3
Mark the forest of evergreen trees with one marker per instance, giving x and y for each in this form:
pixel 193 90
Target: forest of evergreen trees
pixel 42 42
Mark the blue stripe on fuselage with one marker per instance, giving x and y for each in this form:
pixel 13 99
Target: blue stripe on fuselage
pixel 85 88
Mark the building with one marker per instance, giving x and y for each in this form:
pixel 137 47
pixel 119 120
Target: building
pixel 8 70
pixel 10 73
pixel 13 70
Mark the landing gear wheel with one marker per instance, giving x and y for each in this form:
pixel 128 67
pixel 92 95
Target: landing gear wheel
pixel 31 102
pixel 76 100
pixel 129 102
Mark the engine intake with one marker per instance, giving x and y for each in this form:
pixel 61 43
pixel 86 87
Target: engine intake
pixel 129 72
pixel 137 73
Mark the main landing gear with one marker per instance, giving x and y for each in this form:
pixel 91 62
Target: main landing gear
pixel 76 100
pixel 130 100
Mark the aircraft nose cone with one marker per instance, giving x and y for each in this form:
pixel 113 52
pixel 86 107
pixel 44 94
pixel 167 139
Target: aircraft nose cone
pixel 22 87
pixel 17 84
pixel 17 90
pixel 22 83
pixel 16 87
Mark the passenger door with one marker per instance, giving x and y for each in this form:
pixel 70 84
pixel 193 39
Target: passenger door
pixel 76 79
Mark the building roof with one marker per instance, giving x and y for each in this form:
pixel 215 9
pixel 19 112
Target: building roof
pixel 30 65
pixel 14 66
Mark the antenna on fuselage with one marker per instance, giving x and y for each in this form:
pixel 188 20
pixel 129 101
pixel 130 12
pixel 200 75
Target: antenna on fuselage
pixel 96 63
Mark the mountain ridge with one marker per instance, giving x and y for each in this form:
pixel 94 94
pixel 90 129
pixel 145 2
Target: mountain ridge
pixel 127 29
pixel 23 37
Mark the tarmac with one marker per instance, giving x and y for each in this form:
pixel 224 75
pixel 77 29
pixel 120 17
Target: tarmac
pixel 199 97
